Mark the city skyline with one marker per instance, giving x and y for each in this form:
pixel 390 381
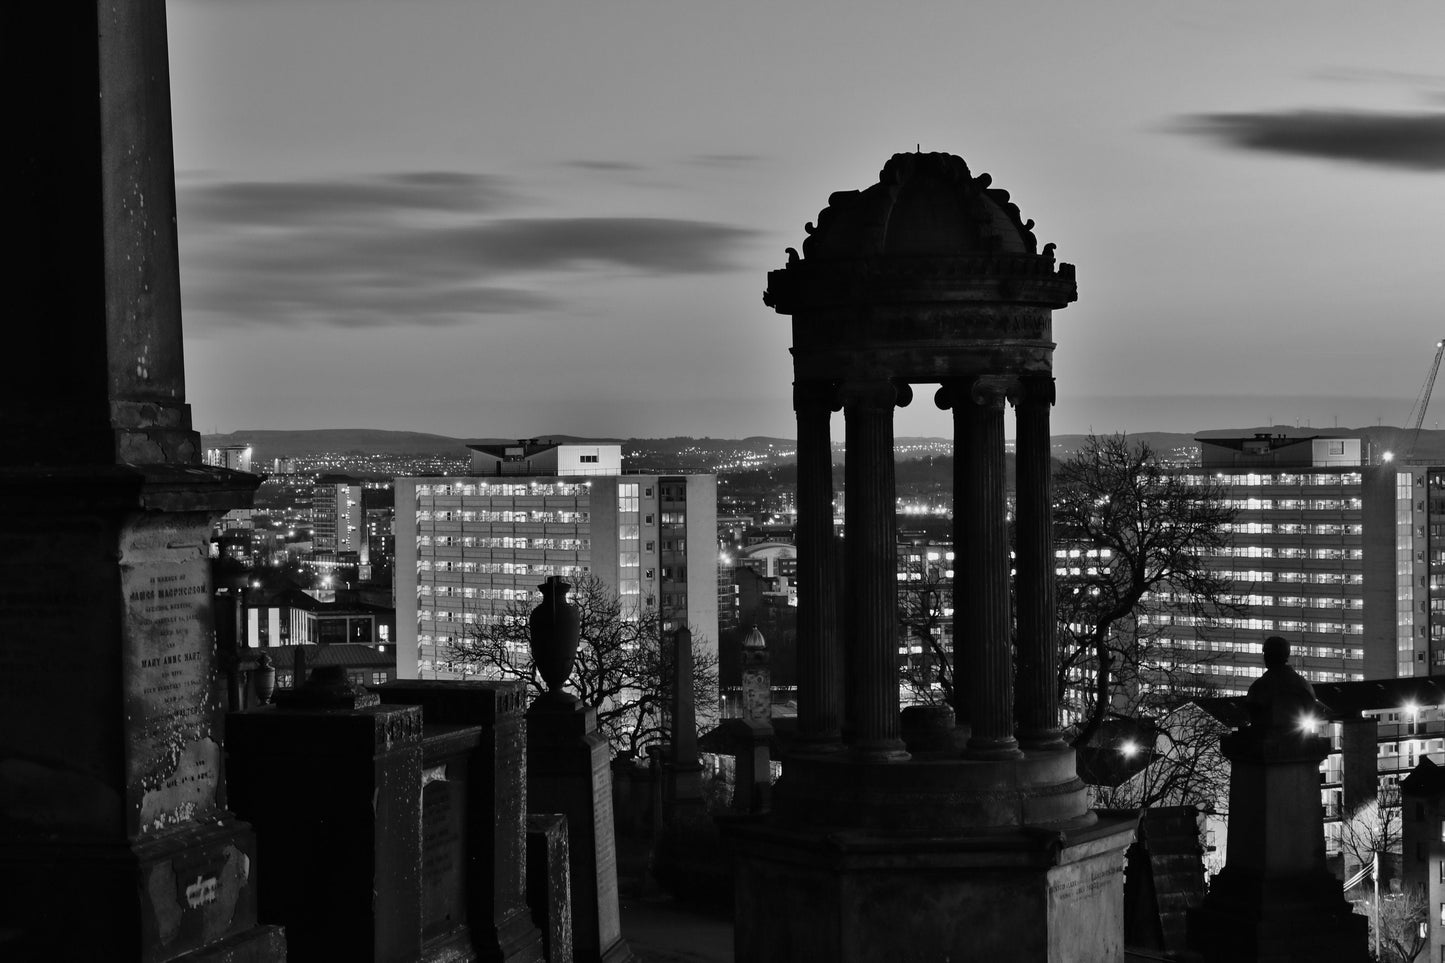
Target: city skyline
pixel 439 217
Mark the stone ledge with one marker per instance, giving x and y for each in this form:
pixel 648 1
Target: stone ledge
pixel 931 794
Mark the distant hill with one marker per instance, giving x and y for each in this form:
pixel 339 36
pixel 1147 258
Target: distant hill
pixel 269 444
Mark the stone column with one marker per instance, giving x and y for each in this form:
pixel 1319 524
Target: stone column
pixel 116 843
pixel 1038 648
pixel 820 680
pixel 981 589
pixel 871 537
pixel 686 772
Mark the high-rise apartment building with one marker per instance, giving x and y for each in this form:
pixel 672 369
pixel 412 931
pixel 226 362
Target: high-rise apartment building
pixel 1330 551
pixel 468 547
pixel 234 457
pixel 337 523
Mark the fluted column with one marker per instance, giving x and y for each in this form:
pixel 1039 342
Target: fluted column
pixel 1038 650
pixel 820 664
pixel 871 538
pixel 981 589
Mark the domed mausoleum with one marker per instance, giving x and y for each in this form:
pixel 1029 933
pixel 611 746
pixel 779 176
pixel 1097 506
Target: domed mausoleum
pixel 878 849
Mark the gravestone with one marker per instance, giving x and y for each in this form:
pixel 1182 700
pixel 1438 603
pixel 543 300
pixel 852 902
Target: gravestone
pixel 331 779
pixel 549 884
pixel 474 805
pixel 111 789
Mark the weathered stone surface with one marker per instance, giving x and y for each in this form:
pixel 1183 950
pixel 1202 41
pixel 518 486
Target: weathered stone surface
pixel 549 883
pixel 109 751
pixel 1009 897
pixel 474 814
pixel 335 796
pixel 568 773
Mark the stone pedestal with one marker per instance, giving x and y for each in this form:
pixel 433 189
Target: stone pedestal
pixel 474 804
pixel 854 896
pixel 549 884
pixel 332 787
pixel 568 773
pixel 752 774
pixel 110 755
pixel 1274 900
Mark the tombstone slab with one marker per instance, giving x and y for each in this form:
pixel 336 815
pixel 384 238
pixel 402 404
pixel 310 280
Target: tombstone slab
pixel 568 772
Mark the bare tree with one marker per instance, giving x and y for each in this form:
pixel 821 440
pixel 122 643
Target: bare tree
pixel 624 665
pixel 1401 921
pixel 1371 831
pixel 1136 536
pixel 1184 767
pixel 925 597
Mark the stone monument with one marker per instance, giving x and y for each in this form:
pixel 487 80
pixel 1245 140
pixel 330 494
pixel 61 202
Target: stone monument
pixel 750 734
pixel 115 842
pixel 569 773
pixel 332 781
pixel 684 771
pixel 1275 901
pixel 988 852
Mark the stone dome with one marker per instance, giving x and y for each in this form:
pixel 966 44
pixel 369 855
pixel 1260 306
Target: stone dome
pixel 924 205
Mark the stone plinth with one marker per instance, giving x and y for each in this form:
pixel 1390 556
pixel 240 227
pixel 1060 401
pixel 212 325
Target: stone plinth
pixel 334 796
pixel 1274 900
pixel 474 804
pixel 110 755
pixel 852 896
pixel 936 793
pixel 568 772
pixel 752 775
pixel 549 884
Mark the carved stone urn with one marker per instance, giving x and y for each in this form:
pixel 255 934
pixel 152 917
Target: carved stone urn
pixel 554 636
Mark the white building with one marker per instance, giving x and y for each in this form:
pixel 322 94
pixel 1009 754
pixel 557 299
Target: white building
pixel 467 547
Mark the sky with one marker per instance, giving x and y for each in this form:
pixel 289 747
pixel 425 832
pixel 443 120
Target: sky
pixel 521 217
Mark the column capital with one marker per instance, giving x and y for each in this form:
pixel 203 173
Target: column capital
pixel 985 391
pixel 1033 391
pixel 816 396
pixel 878 394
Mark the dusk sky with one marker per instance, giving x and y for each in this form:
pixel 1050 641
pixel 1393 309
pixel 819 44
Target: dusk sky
pixel 507 219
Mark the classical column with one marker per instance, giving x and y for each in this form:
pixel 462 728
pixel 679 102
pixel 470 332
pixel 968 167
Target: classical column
pixel 981 589
pixel 1038 649
pixel 871 538
pixel 820 679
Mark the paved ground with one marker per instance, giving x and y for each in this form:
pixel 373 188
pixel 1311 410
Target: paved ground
pixel 660 930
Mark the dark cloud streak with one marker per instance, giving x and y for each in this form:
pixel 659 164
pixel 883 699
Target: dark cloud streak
pixel 1403 141
pixel 423 249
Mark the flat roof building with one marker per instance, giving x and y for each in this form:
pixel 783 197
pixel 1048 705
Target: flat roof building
pixel 470 546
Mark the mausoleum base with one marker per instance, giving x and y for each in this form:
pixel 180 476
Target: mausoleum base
pixel 185 894
pixel 1303 917
pixel 1024 895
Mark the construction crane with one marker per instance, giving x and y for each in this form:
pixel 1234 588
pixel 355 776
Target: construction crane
pixel 1417 413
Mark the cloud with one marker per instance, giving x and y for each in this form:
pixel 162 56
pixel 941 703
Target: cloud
pixel 1354 75
pixel 725 160
pixel 1405 141
pixel 605 166
pixel 270 202
pixel 408 249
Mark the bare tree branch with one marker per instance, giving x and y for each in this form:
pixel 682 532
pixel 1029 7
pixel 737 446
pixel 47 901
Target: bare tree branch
pixel 624 666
